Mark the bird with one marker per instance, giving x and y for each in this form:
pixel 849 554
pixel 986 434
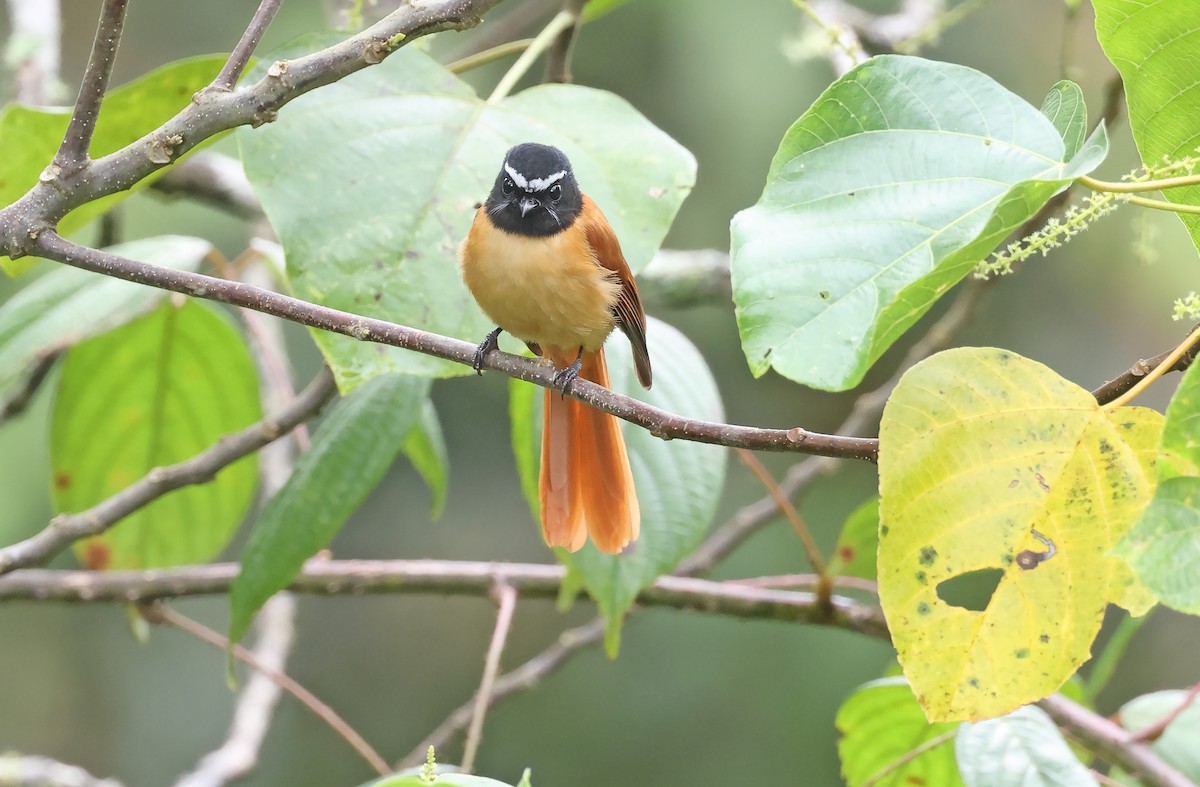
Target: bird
pixel 546 267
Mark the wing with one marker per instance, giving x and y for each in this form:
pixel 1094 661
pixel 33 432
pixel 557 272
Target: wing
pixel 631 318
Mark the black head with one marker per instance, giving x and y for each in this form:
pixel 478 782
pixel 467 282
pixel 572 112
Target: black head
pixel 535 192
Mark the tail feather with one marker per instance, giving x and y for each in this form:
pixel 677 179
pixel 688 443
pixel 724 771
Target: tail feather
pixel 586 486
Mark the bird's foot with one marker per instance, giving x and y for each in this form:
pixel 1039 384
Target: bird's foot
pixel 565 377
pixel 488 344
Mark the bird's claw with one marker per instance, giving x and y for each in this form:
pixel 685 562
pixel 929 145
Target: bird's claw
pixel 488 344
pixel 563 378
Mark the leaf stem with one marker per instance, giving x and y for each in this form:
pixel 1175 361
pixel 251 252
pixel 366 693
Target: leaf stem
pixel 561 21
pixel 162 614
pixel 1162 204
pixel 1155 730
pixel 1138 186
pixel 488 55
pixel 1158 371
pixel 1106 662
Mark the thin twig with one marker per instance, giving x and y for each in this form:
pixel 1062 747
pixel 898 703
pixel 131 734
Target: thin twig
pixel 1153 731
pixel 162 614
pixel 513 23
pixel 236 64
pixel 73 152
pixel 1186 348
pixel 657 421
pixel 522 678
pixel 256 703
pixel 446 577
pixel 558 58
pixel 66 529
pixel 1108 741
pixel 20 399
pixel 214 179
pixel 506 597
pixel 478 59
pixel 561 22
pixel 815 558
pixel 791 581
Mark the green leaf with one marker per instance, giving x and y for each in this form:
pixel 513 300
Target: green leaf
pixel 880 723
pixel 384 244
pixel 1022 749
pixel 68 305
pixel 351 452
pixel 1179 453
pixel 854 555
pixel 882 196
pixel 1153 45
pixel 678 482
pixel 30 137
pixel 425 447
pixel 1065 109
pixel 1177 744
pixel 979 450
pixel 598 8
pixel 156 391
pixel 1163 549
pixel 446 779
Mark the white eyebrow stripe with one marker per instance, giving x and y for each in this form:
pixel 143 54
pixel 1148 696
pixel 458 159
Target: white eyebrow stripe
pixel 541 184
pixel 517 177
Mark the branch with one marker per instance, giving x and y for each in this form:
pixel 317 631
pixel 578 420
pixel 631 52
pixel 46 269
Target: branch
pixel 73 152
pixel 507 599
pixel 36 27
pixel 18 770
pixel 65 529
pixel 558 58
pixel 214 179
pixel 682 279
pixel 659 422
pixel 238 755
pixel 214 111
pixel 240 56
pixel 20 399
pixel 1111 743
pixel 522 678
pixel 1123 382
pixel 447 577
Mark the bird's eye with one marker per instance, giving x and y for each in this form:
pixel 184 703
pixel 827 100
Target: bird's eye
pixel 555 192
pixel 507 186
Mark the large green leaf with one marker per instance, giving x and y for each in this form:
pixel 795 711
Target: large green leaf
pixel 1065 109
pixel 678 482
pixel 1153 44
pixel 156 391
pixel 29 137
pixel 444 780
pixel 1177 745
pixel 1022 749
pixel 68 305
pixel 982 455
pixel 881 723
pixel 371 183
pixel 883 195
pixel 351 451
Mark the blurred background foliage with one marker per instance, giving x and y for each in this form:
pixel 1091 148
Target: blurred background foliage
pixel 692 700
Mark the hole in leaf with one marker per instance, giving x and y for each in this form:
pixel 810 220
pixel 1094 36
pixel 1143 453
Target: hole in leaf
pixel 972 590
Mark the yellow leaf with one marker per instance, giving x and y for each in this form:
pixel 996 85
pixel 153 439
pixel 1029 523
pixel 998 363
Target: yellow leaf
pixel 992 461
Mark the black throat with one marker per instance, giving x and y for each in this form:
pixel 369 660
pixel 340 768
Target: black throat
pixel 535 193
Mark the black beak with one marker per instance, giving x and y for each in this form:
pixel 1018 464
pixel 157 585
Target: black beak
pixel 527 204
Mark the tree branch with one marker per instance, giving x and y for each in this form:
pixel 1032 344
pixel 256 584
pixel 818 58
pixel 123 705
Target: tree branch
pixel 214 179
pixel 21 770
pixel 20 399
pixel 447 577
pixel 72 154
pixel 66 529
pixel 1111 743
pixel 240 56
pixel 213 111
pixel 506 597
pixel 658 422
pixel 558 58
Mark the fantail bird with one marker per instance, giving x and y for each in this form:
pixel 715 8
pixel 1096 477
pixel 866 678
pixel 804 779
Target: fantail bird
pixel 544 264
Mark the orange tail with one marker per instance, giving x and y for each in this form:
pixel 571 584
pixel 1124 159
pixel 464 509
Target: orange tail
pixel 585 486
